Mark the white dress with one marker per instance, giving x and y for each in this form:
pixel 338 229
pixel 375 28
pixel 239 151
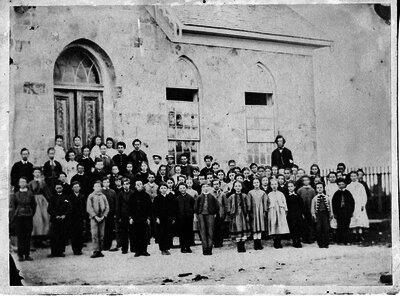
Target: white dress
pixel 330 190
pixel 95 152
pixel 111 152
pixel 360 218
pixel 59 154
pixel 69 167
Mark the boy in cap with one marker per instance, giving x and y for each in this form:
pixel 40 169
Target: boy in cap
pixel 170 165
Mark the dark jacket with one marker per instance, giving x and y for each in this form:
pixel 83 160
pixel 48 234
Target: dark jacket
pixel 19 170
pixel 50 172
pixel 136 157
pixel 282 160
pixel 187 170
pixel 140 206
pixel 24 204
pixel 59 205
pixel 121 160
pixel 295 214
pixel 85 183
pixel 185 206
pixel 112 200
pixel 78 207
pixel 97 175
pixel 122 204
pixel 88 164
pixel 165 207
pixel 347 208
pixel 213 206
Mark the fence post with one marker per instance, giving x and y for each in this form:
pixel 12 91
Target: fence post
pixel 380 189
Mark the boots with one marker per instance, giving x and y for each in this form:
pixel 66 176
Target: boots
pixel 257 244
pixel 241 247
pixel 277 243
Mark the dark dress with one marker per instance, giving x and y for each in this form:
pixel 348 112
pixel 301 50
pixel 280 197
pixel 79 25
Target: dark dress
pixel 343 208
pixel 282 159
pixel 185 212
pixel 140 211
pixel 18 170
pixel 59 205
pixel 136 157
pixel 295 215
pixel 165 210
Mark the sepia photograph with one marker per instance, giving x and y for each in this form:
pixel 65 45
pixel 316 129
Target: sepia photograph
pixel 199 147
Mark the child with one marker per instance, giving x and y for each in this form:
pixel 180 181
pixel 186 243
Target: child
pixel 170 165
pixel 256 202
pixel 77 218
pixel 82 179
pixel 267 171
pixel 221 177
pixel 177 173
pixel 190 190
pixel 220 218
pixel 86 161
pixel 194 194
pixel 97 208
pixel 295 214
pixel 274 170
pixel 98 173
pixel 237 208
pixel 161 176
pixel 122 211
pixel 121 159
pixel 151 187
pixel 287 173
pixel 41 218
pixel 299 181
pixel 295 169
pixel 254 169
pixel 51 169
pixel 165 212
pixel 59 208
pixel 314 170
pixel 107 161
pixel 343 208
pixel 143 173
pixel 231 180
pixel 66 187
pixel 118 184
pixel 139 218
pixel 59 149
pixel 307 193
pixel 77 148
pixel 360 218
pixel 156 163
pixel 281 184
pixel 129 172
pixel 247 179
pixel 114 174
pixel 111 152
pixel 330 190
pixel 265 185
pixel 95 151
pixel 70 165
pixel 206 208
pixel 109 226
pixel 321 211
pixel 277 208
pixel 25 207
pixel 208 168
pixel 185 213
pixel 170 186
pixel 215 167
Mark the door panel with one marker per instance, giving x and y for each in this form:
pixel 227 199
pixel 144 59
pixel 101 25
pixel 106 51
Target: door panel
pixel 89 111
pixel 64 115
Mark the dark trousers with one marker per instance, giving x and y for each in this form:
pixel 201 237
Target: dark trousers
pixel 24 226
pixel 308 232
pixel 109 232
pixel 185 232
pixel 140 236
pixel 343 231
pixel 58 235
pixel 164 237
pixel 126 234
pixel 77 235
pixel 322 229
pixel 218 231
pixel 206 224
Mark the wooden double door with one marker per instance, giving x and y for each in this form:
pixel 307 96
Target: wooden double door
pixel 78 113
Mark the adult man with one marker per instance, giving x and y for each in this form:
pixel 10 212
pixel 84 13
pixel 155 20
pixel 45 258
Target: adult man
pixel 281 156
pixel 186 168
pixel 341 167
pixel 137 156
pixel 170 165
pixel 121 159
pixel 21 168
pixel 51 169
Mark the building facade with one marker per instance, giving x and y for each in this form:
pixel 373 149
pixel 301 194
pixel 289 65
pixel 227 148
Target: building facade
pixel 219 80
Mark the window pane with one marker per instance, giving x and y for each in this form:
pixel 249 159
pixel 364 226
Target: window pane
pixel 181 94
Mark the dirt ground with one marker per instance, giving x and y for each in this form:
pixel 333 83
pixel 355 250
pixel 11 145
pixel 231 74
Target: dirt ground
pixel 338 265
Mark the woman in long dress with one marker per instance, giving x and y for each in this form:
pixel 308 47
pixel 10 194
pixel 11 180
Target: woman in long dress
pixel 277 208
pixel 41 218
pixel 360 217
pixel 70 165
pixel 237 208
pixel 256 201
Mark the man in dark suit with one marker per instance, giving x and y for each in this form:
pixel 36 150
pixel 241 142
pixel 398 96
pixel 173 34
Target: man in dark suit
pixel 185 213
pixel 121 159
pixel 137 156
pixel 281 156
pixel 186 168
pixel 206 208
pixel 51 169
pixel 21 168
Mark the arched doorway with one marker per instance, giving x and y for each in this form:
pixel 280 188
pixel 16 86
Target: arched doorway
pixel 78 96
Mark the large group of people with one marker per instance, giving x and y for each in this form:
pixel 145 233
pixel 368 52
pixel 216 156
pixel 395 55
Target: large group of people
pixel 121 201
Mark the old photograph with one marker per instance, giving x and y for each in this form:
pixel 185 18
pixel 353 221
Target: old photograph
pixel 190 145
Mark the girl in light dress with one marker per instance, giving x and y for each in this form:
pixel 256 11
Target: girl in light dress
pixel 359 221
pixel 330 190
pixel 111 151
pixel 95 151
pixel 256 204
pixel 70 165
pixel 59 154
pixel 277 209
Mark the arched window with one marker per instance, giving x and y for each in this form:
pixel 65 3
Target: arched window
pixel 78 96
pixel 259 100
pixel 182 94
